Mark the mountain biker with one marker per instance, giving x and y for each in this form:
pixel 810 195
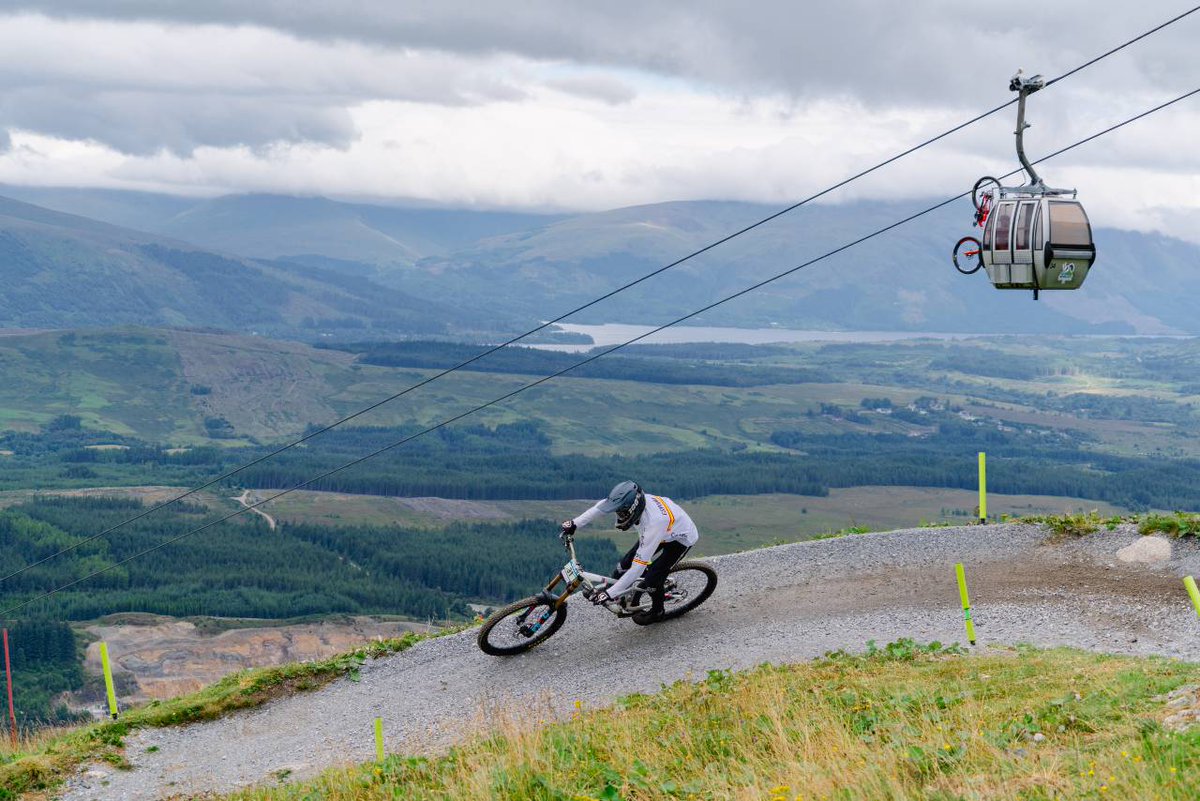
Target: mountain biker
pixel 665 534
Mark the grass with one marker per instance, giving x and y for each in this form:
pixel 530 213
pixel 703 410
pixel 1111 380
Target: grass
pixel 1072 525
pixel 43 761
pixel 901 722
pixel 842 532
pixel 1175 524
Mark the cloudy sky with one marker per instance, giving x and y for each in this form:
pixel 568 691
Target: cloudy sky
pixel 556 105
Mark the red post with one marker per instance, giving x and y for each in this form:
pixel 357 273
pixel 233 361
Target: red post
pixel 12 713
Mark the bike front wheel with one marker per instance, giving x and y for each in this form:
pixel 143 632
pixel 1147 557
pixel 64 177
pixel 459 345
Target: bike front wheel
pixel 988 187
pixel 521 626
pixel 687 586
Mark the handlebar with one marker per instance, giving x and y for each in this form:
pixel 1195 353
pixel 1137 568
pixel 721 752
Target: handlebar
pixel 568 541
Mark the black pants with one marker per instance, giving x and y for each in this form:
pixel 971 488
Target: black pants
pixel 665 558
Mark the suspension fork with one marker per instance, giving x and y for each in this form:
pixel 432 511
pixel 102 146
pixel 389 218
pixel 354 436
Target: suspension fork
pixel 553 604
pixel 549 597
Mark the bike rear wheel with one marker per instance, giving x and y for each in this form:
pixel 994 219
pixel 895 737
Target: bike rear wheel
pixel 687 586
pixel 510 631
pixel 971 251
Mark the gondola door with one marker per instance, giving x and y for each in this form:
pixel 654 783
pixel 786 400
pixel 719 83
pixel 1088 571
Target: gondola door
pixel 1022 243
pixel 998 250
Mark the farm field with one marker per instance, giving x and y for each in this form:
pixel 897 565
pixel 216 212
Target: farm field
pixel 728 523
pixel 1129 397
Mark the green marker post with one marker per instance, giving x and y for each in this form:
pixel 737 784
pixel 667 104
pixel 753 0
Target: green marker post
pixel 982 487
pixel 378 739
pixel 966 601
pixel 1190 583
pixel 108 680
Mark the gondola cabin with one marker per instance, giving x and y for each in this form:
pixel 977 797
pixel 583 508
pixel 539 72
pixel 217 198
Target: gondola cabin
pixel 1038 242
pixel 1034 237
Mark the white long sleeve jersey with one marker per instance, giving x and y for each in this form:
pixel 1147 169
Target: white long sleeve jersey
pixel 662 521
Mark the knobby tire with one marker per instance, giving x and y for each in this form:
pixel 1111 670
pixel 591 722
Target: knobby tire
pixel 978 255
pixel 500 616
pixel 691 603
pixel 988 184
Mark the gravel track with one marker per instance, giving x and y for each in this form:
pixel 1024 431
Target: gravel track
pixel 783 604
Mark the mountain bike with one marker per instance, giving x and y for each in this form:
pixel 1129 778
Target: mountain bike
pixel 983 197
pixel 528 623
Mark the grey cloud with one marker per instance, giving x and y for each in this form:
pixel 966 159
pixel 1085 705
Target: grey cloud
pixel 596 87
pixel 144 123
pixel 932 52
pixel 5 141
pixel 141 88
pixel 935 53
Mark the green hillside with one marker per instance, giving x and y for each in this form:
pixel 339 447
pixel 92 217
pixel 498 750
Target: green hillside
pixel 162 386
pixel 270 226
pixel 62 271
pixel 314 229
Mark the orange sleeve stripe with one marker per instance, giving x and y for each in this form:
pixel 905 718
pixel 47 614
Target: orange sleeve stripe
pixel 640 562
pixel 667 509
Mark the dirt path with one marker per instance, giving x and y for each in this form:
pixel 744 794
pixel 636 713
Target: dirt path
pixel 781 604
pixel 249 497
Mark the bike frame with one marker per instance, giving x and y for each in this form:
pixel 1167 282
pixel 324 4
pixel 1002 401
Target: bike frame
pixel 985 208
pixel 589 582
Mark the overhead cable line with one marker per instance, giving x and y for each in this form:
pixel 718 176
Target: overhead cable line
pixel 485 353
pixel 1135 39
pixel 588 360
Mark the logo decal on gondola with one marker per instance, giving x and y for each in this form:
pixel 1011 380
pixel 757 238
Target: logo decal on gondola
pixel 1067 274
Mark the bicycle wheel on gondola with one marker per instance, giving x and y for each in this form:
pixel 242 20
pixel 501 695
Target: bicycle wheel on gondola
pixel 970 251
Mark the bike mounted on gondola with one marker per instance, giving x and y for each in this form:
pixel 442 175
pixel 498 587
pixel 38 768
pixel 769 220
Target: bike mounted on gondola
pixel 1034 237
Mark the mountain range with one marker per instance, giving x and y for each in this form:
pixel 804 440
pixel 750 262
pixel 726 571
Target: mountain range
pixel 311 267
pixel 65 271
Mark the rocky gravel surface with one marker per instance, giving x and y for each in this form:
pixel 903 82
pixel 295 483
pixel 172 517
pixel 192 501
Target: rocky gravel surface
pixel 780 604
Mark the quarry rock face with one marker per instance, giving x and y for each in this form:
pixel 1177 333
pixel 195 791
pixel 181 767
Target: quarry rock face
pixel 172 657
pixel 1147 550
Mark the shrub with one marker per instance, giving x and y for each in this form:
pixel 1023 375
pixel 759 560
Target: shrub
pixel 1177 524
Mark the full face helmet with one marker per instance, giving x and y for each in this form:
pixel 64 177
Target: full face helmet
pixel 628 501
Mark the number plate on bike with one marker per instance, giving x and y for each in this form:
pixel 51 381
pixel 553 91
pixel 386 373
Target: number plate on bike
pixel 572 572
